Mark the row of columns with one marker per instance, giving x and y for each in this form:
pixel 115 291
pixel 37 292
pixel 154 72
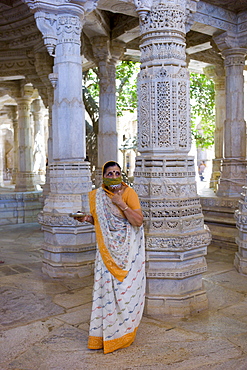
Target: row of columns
pixel 29 152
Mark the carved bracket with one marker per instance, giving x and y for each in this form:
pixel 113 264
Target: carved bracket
pixel 46 23
pixel 46 15
pixel 53 77
pixel 143 7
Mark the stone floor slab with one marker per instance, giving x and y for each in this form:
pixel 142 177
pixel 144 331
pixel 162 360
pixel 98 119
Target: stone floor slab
pixel 44 322
pixel 19 306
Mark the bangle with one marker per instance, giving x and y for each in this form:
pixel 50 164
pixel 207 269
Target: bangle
pixel 125 209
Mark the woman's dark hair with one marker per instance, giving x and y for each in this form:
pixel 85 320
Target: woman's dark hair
pixel 110 164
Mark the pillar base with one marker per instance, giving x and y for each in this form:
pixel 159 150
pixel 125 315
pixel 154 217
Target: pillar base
pixel 18 208
pixel 69 248
pixel 180 306
pixel 24 182
pixel 233 178
pixel 218 215
pixel 68 270
pixel 240 263
pixel 68 261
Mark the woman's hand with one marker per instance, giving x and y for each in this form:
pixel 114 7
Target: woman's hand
pixel 117 199
pixel 86 218
pixel 134 216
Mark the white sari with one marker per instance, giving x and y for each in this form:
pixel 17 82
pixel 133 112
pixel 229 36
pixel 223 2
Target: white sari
pixel 119 280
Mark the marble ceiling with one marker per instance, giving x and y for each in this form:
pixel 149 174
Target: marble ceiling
pixel 232 5
pixel 22 51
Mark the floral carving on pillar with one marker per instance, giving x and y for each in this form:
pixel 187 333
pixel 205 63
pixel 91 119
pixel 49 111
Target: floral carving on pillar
pixel 46 15
pixel 176 238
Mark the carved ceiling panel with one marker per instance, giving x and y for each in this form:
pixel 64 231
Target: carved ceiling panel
pixel 232 5
pixel 19 37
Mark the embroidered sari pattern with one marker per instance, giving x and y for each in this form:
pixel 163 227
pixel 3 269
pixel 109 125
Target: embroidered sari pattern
pixel 117 305
pixel 115 228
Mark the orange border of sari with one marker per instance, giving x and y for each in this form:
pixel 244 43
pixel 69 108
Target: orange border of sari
pixel 113 344
pixel 109 262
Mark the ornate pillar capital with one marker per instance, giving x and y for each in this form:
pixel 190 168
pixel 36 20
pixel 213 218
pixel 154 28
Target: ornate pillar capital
pixel 117 49
pixel 234 57
pixel 231 44
pixel 143 7
pixel 56 21
pixel 101 49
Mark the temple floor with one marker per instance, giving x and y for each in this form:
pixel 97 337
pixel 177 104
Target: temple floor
pixel 44 322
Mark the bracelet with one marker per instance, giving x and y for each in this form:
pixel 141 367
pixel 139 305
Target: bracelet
pixel 125 209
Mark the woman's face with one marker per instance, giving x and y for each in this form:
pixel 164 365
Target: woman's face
pixel 112 172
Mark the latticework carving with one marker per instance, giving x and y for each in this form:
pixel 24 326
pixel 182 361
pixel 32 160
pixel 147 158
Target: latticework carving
pixel 164 110
pixel 176 238
pixel 240 261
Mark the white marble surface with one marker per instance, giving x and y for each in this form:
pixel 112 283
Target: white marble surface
pixel 44 321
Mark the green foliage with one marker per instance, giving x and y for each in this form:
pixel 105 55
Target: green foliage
pixel 202 96
pixel 126 99
pixel 126 75
pixel 91 83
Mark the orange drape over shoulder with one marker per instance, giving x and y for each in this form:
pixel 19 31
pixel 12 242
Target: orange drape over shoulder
pixel 109 262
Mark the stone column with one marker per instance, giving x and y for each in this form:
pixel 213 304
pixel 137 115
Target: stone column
pixel 44 67
pixel 245 93
pixel 39 156
pixel 24 175
pixel 1 157
pixel 46 186
pixel 240 261
pixel 69 245
pixel 218 75
pixel 107 54
pixel 234 164
pixel 176 238
pixel 13 114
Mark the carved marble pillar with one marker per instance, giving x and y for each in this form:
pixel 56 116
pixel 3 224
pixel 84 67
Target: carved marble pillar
pixel 234 162
pixel 46 186
pixel 13 110
pixel 39 157
pixel 1 157
pixel 107 54
pixel 69 245
pixel 218 75
pixel 176 238
pixel 24 175
pixel 240 261
pixel 44 67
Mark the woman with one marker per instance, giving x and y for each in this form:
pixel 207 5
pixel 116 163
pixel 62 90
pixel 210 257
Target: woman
pixel 119 278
